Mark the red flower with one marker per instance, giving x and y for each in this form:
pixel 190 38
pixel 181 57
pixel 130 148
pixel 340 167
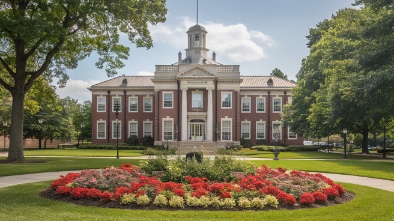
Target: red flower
pixel 331 193
pixel 63 180
pixel 120 191
pixel 79 192
pixel 63 190
pixel 129 168
pixel 339 188
pixel 199 192
pixel 106 196
pixel 307 199
pixel 319 197
pixel 286 198
pixel 94 193
pixel 224 195
pixel 282 170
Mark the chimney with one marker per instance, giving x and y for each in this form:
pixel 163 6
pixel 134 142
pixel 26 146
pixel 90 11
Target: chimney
pixel 214 56
pixel 179 57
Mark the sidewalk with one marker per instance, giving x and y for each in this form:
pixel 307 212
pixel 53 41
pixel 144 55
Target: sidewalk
pixel 38 177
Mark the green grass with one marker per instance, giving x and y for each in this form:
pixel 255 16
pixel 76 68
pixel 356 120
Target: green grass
pixel 82 152
pixel 49 164
pixel 22 202
pixel 306 155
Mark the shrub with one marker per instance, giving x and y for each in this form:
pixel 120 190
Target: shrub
pixel 331 193
pixel 142 200
pixel 63 190
pixel 160 200
pixel 133 140
pixel 192 201
pixel 194 155
pixel 271 201
pixel 244 203
pixel 148 141
pixel 257 203
pixel 229 203
pixel 216 202
pixel 319 197
pixel 127 199
pixel 307 199
pixel 176 202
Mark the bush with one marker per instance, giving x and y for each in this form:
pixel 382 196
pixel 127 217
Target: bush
pixel 388 150
pixel 176 202
pixel 258 203
pixel 133 140
pixel 110 147
pixel 160 200
pixel 148 141
pixel 194 155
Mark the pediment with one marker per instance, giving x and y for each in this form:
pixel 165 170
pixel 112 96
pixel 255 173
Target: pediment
pixel 196 72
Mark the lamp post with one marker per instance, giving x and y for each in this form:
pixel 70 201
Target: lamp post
pixel 40 133
pixel 82 125
pixel 5 132
pixel 117 132
pixel 344 141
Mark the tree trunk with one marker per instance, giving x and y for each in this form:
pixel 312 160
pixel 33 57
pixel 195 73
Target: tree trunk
pixel 365 138
pixel 15 152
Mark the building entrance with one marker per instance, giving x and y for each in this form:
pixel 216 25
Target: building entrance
pixel 197 130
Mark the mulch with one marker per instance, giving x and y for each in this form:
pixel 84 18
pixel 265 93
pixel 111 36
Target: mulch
pixel 52 195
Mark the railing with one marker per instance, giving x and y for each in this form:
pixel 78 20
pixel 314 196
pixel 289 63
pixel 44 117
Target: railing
pixel 227 68
pixel 166 68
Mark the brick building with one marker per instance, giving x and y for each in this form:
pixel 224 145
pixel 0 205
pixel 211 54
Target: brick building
pixel 194 100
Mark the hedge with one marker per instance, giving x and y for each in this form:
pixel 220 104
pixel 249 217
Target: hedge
pixel 110 147
pixel 284 149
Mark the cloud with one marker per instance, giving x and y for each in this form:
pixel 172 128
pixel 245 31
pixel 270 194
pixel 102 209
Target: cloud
pixel 77 89
pixel 235 42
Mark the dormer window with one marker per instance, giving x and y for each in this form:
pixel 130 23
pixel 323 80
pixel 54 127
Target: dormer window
pixel 196 40
pixel 270 82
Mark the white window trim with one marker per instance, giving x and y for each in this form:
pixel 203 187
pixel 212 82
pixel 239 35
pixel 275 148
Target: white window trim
pixel 273 105
pixel 151 128
pixel 130 103
pixel 263 98
pixel 280 129
pixel 172 128
pixel 114 129
pixel 105 104
pixel 288 135
pixel 242 104
pixel 151 104
pixel 261 122
pixel 172 99
pixel 202 100
pixel 231 100
pixel 120 104
pixel 105 130
pixel 289 100
pixel 246 122
pixel 231 128
pixel 134 122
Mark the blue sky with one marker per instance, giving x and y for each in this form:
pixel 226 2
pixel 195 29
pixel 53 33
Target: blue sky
pixel 258 35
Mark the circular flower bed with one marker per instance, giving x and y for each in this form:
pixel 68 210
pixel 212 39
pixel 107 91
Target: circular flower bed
pixel 130 187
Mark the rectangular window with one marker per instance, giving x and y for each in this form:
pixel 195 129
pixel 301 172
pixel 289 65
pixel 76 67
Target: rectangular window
pixel 133 129
pixel 101 104
pixel 245 104
pixel 133 104
pixel 260 104
pixel 226 100
pixel 197 99
pixel 289 100
pixel 245 130
pixel 101 130
pixel 277 105
pixel 147 129
pixel 226 130
pixel 276 131
pixel 116 130
pixel 116 104
pixel 292 134
pixel 147 104
pixel 167 130
pixel 167 99
pixel 260 130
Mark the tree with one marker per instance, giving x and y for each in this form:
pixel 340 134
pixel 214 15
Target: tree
pixel 47 37
pixel 278 73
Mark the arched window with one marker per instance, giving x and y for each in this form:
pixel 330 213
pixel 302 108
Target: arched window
pixel 196 40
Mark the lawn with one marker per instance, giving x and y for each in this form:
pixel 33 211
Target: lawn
pixel 81 152
pixel 22 202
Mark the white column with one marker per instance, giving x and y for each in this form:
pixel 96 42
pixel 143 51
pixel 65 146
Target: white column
pixel 209 115
pixel 184 114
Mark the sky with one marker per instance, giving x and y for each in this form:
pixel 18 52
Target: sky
pixel 258 35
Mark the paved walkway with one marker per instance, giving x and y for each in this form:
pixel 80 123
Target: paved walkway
pixel 38 177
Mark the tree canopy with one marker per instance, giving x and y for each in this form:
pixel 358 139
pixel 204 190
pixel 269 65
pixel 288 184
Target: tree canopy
pixel 47 37
pixel 347 81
